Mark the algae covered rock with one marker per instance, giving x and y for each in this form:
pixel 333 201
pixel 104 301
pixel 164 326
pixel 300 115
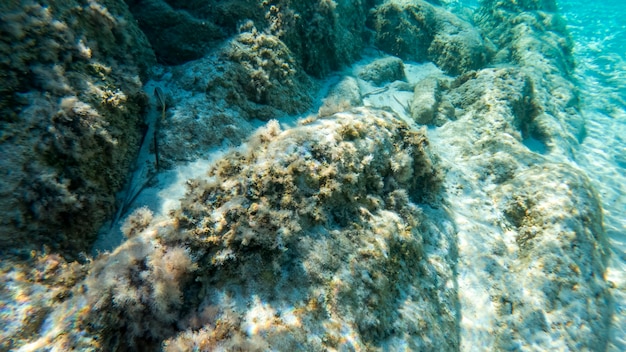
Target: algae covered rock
pixel 349 230
pixel 474 92
pixel 404 29
pixel 323 35
pixel 537 229
pixel 530 36
pixel 291 240
pixel 31 287
pixel 383 71
pixel 419 31
pixel 70 107
pixel 266 71
pixel 252 76
pixel 284 226
pixel 426 97
pixel 343 96
pixel 182 31
pixel 561 244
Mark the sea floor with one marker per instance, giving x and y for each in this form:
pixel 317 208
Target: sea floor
pixel 601 74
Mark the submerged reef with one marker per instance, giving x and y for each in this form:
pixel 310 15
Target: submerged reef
pixel 540 243
pixel 426 198
pixel 257 68
pixel 252 76
pixel 538 43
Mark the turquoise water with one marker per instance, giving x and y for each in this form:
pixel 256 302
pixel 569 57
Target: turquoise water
pixel 599 32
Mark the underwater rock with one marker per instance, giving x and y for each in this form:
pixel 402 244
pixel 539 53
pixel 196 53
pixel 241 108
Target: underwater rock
pixel 512 89
pixel 404 30
pixel 31 287
pixel 535 227
pixel 419 31
pixel 560 243
pixel 252 76
pixel 265 71
pixel 182 31
pixel 323 35
pixel 525 37
pixel 343 96
pixel 385 70
pixel 71 118
pixel 349 230
pixel 297 238
pixel 538 43
pixel 426 97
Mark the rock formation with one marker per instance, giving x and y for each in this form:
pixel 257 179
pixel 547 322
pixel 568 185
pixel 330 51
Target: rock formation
pixel 355 227
pixel 71 105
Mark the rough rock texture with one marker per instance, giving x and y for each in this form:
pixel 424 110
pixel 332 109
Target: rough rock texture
pixel 265 73
pixel 426 98
pixel 323 35
pixel 561 245
pixel 535 224
pixel 537 231
pixel 512 89
pixel 31 288
pixel 343 233
pixel 538 42
pixel 383 71
pixel 419 31
pixel 343 96
pixel 182 31
pixel 294 241
pixel 70 118
pixel 252 76
pixel 259 72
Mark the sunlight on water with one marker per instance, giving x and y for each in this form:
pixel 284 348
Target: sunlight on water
pixel 599 32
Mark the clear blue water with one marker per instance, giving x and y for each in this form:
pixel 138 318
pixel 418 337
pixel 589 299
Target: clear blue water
pixel 599 32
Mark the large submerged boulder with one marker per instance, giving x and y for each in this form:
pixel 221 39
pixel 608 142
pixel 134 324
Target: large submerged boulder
pixel 323 35
pixel 183 31
pixel 419 31
pixel 252 76
pixel 292 241
pixel 531 36
pixel 543 246
pixel 71 118
pixel 258 68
